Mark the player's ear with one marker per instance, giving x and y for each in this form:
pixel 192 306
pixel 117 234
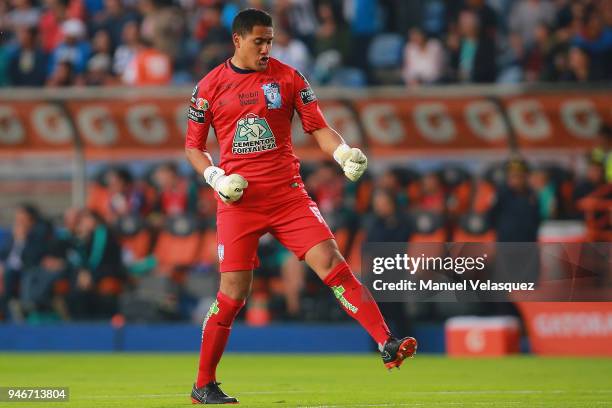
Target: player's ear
pixel 236 40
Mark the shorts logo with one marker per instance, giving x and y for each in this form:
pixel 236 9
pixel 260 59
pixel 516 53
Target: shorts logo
pixel 221 252
pixel 272 95
pixel 317 213
pixel 253 134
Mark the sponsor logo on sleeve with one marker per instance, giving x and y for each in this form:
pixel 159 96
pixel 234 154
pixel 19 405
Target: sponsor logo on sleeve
pixel 195 115
pixel 194 95
pixel 307 95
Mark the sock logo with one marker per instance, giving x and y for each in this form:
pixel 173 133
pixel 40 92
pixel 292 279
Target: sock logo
pixel 214 309
pixel 339 294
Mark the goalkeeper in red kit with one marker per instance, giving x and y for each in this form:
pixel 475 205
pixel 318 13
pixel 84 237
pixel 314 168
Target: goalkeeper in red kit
pixel 249 101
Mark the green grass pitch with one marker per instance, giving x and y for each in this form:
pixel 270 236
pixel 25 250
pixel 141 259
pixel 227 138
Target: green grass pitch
pixel 277 380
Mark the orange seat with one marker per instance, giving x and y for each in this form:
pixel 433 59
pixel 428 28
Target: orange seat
pixel 484 196
pixel 139 244
pixel 174 250
pixel 208 247
pixel 343 236
pixel 110 286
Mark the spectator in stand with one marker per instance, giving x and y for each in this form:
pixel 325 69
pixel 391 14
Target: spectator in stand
pixel 99 271
pixel 51 22
pixel 516 212
pixel 487 17
pixel 579 67
pixel 527 15
pixel 148 67
pixel 298 19
pixel 387 224
pixel 176 195
pixel 124 197
pixel 394 181
pixel 423 59
pixel 602 153
pixel 24 14
pixel 99 71
pixel 75 48
pixel 544 188
pixel 364 21
pixel 596 40
pixel 38 285
pixel 99 66
pixel 163 26
pixel 113 20
pixel 433 196
pixel 24 250
pixel 28 64
pixel 291 51
pixel 125 52
pixel 331 33
pixel 64 75
pixel 215 39
pixel 473 55
pixel 594 178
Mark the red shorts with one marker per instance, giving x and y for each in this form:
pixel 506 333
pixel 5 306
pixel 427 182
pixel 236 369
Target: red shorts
pixel 296 224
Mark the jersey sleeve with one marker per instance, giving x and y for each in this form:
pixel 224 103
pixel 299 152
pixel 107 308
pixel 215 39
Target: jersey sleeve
pixel 199 118
pixel 307 105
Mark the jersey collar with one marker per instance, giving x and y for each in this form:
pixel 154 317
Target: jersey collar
pixel 239 70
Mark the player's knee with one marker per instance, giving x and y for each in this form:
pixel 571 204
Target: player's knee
pixel 236 285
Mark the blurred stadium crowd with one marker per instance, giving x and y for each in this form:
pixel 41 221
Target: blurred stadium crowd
pixel 334 42
pixel 145 246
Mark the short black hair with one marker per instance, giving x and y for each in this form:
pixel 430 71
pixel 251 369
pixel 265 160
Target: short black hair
pixel 249 18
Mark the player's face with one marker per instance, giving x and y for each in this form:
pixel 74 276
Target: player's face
pixel 253 49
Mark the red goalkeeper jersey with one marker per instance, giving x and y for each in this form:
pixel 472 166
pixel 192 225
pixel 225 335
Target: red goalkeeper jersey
pixel 251 114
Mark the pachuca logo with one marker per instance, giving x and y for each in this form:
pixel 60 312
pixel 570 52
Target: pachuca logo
pixel 253 134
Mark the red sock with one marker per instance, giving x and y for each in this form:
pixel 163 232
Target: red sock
pixel 215 332
pixel 357 302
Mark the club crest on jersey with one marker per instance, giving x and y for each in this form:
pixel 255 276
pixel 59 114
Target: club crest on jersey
pixel 272 95
pixel 253 134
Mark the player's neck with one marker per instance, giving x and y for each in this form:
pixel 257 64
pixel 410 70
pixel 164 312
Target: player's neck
pixel 237 63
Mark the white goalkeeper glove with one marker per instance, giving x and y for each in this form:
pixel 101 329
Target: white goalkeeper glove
pixel 230 188
pixel 352 160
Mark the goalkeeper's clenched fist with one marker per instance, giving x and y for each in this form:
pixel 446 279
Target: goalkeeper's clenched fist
pixel 230 188
pixel 352 160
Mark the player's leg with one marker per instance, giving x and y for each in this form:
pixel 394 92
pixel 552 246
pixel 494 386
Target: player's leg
pixel 325 259
pixel 237 236
pixel 327 262
pixel 301 228
pixel 233 291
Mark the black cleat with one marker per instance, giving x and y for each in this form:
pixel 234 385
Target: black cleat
pixel 395 351
pixel 211 394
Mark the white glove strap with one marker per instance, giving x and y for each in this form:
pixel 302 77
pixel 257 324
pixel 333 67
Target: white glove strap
pixel 340 150
pixel 212 175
